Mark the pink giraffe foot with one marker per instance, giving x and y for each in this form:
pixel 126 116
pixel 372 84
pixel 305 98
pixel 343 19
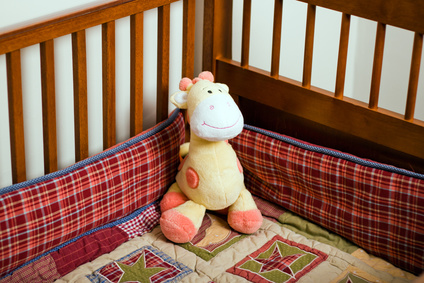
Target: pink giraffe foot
pixel 171 200
pixel 177 227
pixel 246 222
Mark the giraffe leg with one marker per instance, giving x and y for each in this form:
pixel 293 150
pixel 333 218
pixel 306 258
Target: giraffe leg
pixel 243 215
pixel 173 198
pixel 180 224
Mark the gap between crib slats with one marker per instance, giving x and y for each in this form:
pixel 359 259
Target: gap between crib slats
pixel 163 63
pixel 189 21
pixel 414 76
pixel 16 118
pixel 276 38
pixel 49 105
pixel 108 52
pixel 245 39
pixel 309 45
pixel 342 59
pixel 136 104
pixel 79 61
pixel 377 66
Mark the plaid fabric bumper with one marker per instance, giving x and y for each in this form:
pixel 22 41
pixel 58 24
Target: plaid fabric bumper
pixel 41 214
pixel 378 207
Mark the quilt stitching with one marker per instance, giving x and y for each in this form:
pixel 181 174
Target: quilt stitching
pixel 214 236
pixel 145 264
pixel 279 260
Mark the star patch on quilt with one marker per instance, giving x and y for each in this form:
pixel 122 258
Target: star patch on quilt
pixel 146 264
pixel 279 260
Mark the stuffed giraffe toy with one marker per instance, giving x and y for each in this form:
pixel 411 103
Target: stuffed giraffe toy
pixel 210 175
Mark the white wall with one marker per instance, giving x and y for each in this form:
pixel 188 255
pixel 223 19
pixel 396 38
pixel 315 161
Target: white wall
pixel 396 62
pixel 361 47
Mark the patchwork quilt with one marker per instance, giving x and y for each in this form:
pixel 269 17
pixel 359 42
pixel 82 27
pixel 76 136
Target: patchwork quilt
pixel 287 248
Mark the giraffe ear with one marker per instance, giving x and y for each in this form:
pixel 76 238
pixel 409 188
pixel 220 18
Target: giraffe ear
pixel 179 99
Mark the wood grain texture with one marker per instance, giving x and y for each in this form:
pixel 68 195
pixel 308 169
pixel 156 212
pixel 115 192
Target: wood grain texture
pixel 342 57
pixel 414 77
pixel 208 32
pixel 136 80
pixel 163 63
pixel 245 35
pixel 407 14
pixel 276 38
pixel 217 33
pixel 16 117
pixel 319 106
pixel 309 46
pixel 189 21
pixel 49 106
pixel 377 66
pixel 108 71
pixel 73 22
pixel 79 61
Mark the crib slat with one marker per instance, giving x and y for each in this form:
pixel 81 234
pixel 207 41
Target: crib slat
pixel 309 45
pixel 79 61
pixel 108 49
pixel 189 20
pixel 136 104
pixel 377 66
pixel 414 76
pixel 16 118
pixel 49 105
pixel 163 63
pixel 217 32
pixel 245 39
pixel 341 63
pixel 276 38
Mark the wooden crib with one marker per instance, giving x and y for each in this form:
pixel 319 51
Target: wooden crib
pixel 309 117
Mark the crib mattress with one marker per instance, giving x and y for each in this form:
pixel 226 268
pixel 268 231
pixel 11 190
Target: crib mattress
pixel 287 248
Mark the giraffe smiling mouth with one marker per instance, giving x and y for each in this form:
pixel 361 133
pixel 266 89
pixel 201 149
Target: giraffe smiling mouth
pixel 222 128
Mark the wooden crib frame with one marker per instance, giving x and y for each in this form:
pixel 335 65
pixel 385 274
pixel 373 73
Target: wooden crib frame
pixel 295 108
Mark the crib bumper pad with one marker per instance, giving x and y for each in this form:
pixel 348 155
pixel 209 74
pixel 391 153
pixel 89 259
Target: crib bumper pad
pixel 377 206
pixel 43 221
pixel 95 221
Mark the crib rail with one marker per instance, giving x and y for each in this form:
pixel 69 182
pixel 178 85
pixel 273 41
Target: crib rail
pixel 76 23
pixel 339 115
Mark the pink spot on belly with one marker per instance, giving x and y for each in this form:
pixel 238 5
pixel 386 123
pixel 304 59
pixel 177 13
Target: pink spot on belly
pixel 192 178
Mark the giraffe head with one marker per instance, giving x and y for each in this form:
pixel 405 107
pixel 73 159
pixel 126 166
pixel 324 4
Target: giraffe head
pixel 212 113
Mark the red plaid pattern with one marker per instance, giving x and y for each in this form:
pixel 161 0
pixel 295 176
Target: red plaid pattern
pixel 41 216
pixel 142 223
pixel 380 210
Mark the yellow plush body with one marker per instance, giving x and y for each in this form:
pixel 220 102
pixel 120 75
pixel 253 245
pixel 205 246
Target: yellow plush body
pixel 220 179
pixel 210 176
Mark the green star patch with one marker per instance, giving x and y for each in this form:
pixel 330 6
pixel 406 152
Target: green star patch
pixel 138 271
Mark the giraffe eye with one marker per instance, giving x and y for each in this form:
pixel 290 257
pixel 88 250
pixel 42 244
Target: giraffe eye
pixel 209 91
